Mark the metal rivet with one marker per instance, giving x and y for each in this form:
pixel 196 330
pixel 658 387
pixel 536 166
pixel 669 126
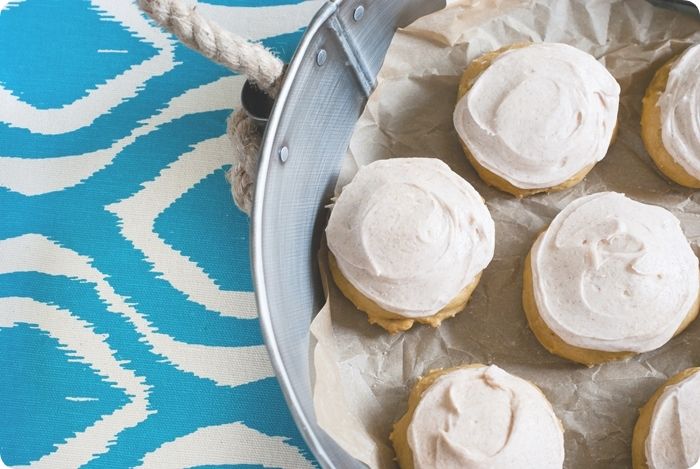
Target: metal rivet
pixel 284 154
pixel 321 57
pixel 359 13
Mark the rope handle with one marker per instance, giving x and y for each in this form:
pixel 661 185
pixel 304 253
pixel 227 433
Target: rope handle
pixel 212 41
pixel 253 60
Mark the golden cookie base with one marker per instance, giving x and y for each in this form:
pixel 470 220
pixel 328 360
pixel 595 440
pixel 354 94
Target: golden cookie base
pixel 469 77
pixel 398 436
pixel 651 130
pixel 394 322
pixel 554 344
pixel 643 425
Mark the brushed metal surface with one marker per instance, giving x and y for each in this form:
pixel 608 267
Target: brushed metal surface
pixel 680 5
pixel 313 117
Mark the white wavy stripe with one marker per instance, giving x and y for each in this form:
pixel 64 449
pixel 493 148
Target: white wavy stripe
pixel 3 5
pixel 253 23
pixel 43 175
pixel 54 174
pixel 230 366
pixel 103 97
pixel 232 443
pixel 256 23
pixel 78 336
pixel 81 399
pixel 138 214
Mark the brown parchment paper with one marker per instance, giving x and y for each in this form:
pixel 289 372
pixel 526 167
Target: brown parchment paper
pixel 362 374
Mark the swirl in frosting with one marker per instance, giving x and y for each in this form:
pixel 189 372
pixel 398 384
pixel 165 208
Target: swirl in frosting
pixel 539 115
pixel 410 234
pixel 613 274
pixel 483 418
pixel 674 434
pixel 680 111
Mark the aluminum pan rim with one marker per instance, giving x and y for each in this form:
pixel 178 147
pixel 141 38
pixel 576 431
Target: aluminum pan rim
pixel 269 337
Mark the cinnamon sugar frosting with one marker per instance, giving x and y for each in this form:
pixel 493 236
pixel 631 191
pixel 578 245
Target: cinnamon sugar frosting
pixel 680 111
pixel 539 115
pixel 410 234
pixel 674 434
pixel 614 274
pixel 484 418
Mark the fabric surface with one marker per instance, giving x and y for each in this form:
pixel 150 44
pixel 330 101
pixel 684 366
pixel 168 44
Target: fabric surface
pixel 128 330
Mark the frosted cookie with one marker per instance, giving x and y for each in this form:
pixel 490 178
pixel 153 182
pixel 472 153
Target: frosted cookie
pixel 536 117
pixel 609 278
pixel 408 239
pixel 478 417
pixel 671 118
pixel 667 433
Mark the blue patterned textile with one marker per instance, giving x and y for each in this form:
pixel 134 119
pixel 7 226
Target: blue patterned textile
pixel 128 330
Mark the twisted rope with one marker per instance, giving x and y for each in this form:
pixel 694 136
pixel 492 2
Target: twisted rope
pixel 253 60
pixel 245 137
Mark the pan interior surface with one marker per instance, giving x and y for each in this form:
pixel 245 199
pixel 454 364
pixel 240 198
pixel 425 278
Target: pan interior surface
pixel 326 87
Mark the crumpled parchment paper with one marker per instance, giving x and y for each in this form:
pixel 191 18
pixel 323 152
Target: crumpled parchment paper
pixel 362 374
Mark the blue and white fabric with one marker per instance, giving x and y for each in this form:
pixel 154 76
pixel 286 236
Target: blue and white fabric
pixel 128 329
